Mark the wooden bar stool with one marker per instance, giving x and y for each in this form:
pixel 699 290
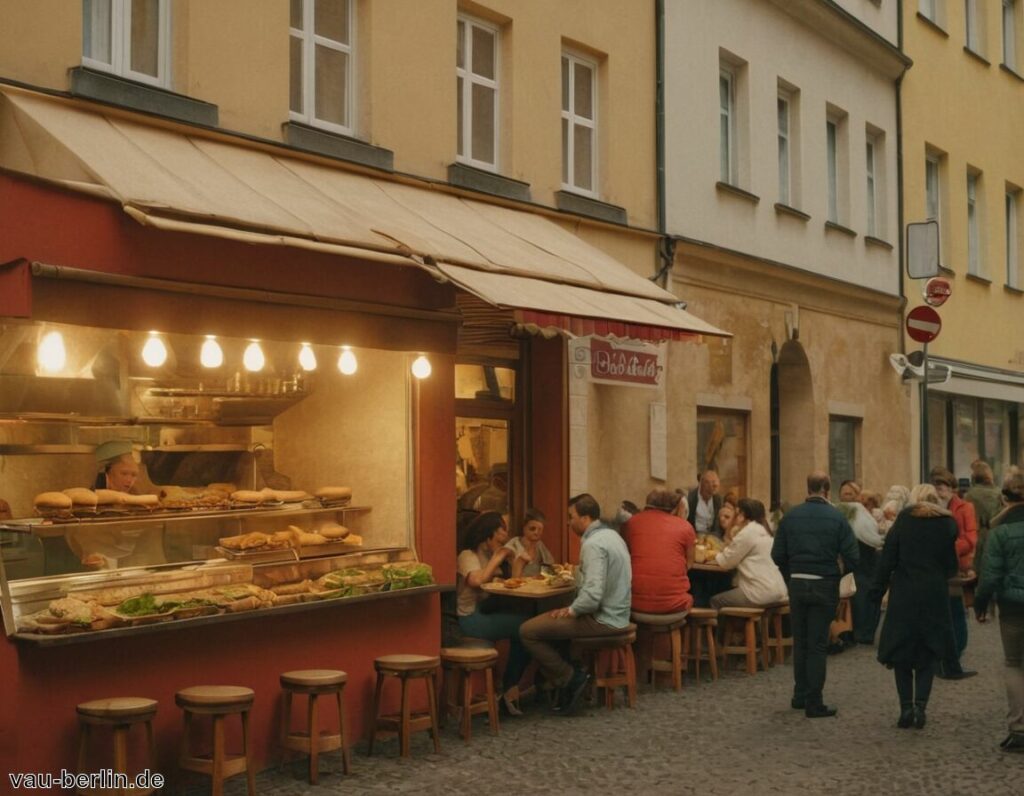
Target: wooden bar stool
pixel 406 668
pixel 698 631
pixel 742 623
pixel 314 683
pixel 458 664
pixel 773 634
pixel 654 625
pixel 218 701
pixel 621 670
pixel 120 714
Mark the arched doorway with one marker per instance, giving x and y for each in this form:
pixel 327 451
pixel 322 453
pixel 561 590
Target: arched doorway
pixel 792 423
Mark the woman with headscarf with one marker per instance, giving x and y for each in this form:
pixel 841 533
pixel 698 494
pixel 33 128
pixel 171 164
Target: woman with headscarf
pixel 918 558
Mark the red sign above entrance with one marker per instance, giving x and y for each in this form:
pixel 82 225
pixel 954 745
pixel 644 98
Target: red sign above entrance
pixel 937 290
pixel 628 365
pixel 923 324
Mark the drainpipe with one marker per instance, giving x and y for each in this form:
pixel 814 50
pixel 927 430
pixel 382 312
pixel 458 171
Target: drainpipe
pixel 899 177
pixel 667 244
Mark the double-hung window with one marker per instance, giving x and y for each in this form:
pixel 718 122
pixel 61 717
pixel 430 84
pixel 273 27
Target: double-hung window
pixel 929 9
pixel 931 189
pixel 476 69
pixel 870 170
pixel 728 165
pixel 130 38
pixel 972 26
pixel 1010 33
pixel 579 124
pixel 973 226
pixel 785 172
pixel 1012 241
pixel 320 39
pixel 832 167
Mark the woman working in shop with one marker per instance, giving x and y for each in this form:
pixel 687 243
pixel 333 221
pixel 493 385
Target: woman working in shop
pixel 119 470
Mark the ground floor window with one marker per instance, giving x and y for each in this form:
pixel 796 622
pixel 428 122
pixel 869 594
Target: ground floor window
pixel 964 428
pixel 843 451
pixel 722 445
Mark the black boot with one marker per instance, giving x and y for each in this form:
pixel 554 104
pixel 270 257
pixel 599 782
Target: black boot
pixel 906 716
pixel 919 715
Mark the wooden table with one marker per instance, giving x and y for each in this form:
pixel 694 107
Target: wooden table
pixel 709 567
pixel 546 597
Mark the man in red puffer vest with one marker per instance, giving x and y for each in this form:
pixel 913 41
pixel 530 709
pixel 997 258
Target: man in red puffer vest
pixel 661 551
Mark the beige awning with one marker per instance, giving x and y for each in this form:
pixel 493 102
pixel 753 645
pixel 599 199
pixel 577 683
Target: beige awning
pixel 179 178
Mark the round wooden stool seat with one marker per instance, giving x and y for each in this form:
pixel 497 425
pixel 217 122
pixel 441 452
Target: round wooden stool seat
pixel 659 622
pixel 776 606
pixel 468 655
pixel 741 612
pixel 320 679
pixel 702 616
pixel 406 663
pixel 626 636
pixel 215 698
pixel 118 710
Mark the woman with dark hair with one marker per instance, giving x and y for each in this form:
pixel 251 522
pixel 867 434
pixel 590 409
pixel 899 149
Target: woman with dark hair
pixel 917 561
pixel 758 581
pixel 530 552
pixel 480 560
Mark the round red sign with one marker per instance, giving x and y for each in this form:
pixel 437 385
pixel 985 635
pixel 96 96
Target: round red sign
pixel 923 324
pixel 937 290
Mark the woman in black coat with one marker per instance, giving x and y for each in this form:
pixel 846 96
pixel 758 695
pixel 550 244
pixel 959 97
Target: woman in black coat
pixel 918 559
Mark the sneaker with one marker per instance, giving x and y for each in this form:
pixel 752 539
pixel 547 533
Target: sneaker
pixel 1014 743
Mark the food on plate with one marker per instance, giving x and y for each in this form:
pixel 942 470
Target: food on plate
pixel 225 488
pixel 245 541
pixel 284 495
pixel 303 538
pixel 514 583
pixel 146 605
pixel 142 501
pixel 49 501
pixel 81 498
pixel 407 575
pixel 110 497
pixel 333 531
pixel 248 496
pixel 353 538
pixel 712 543
pixel 280 539
pixel 334 494
pixel 299 587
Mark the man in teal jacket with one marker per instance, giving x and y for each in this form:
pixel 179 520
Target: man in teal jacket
pixel 1002 576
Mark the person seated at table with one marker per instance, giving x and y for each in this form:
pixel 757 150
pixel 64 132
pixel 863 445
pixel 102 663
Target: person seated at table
pixel 480 560
pixel 759 581
pixel 725 523
pixel 661 549
pixel 530 552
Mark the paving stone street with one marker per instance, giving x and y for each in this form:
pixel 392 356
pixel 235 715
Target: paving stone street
pixel 736 736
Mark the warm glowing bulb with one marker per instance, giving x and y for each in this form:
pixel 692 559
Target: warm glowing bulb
pixel 154 352
pixel 347 361
pixel 211 355
pixel 421 367
pixel 253 358
pixel 307 359
pixel 51 353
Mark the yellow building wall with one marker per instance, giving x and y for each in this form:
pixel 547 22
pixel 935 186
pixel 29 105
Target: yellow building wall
pixel 40 41
pixel 974 112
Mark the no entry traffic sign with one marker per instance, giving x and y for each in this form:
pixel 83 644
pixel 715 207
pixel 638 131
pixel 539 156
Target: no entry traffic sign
pixel 923 324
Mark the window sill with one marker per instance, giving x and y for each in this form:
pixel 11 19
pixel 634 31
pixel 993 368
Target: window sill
pixel 591 208
pixel 931 23
pixel 1012 72
pixel 724 187
pixel 871 240
pixel 946 271
pixel 475 179
pixel 787 210
pixel 977 55
pixel 116 90
pixel 982 280
pixel 333 145
pixel 1013 291
pixel 834 227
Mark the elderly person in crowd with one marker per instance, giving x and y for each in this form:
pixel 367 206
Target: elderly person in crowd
pixel 1002 577
pixel 704 502
pixel 865 612
pixel 985 497
pixel 967 538
pixel 758 581
pixel 893 503
pixel 661 551
pixel 917 561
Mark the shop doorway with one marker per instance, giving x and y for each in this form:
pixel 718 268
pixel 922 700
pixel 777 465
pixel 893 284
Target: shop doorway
pixel 792 424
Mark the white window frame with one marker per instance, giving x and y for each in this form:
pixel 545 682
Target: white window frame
pixel 1012 249
pixel 832 168
pixel 929 9
pixel 728 171
pixel 572 119
pixel 932 189
pixel 1010 33
pixel 469 79
pixel 310 41
pixel 121 43
pixel 784 112
pixel 972 26
pixel 974 263
pixel 871 172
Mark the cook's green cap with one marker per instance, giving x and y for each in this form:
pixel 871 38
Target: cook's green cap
pixel 112 449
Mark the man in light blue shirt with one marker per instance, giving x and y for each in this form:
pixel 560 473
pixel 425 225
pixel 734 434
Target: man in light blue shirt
pixel 601 607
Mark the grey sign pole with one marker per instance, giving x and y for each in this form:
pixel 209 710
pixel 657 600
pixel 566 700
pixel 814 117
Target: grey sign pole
pixel 924 419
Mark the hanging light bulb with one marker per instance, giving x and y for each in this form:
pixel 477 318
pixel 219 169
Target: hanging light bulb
pixel 421 367
pixel 347 361
pixel 253 358
pixel 154 352
pixel 307 358
pixel 211 355
pixel 51 354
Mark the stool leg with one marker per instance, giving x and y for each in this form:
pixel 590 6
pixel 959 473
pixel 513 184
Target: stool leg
pixel 446 709
pixel 376 713
pixel 121 752
pixel 218 756
pixel 466 681
pixel 492 700
pixel 83 747
pixel 750 638
pixel 766 652
pixel 345 762
pixel 676 644
pixel 183 754
pixel 250 772
pixel 712 652
pixel 403 727
pixel 698 636
pixel 631 675
pixel 432 707
pixel 286 715
pixel 314 742
pixel 780 651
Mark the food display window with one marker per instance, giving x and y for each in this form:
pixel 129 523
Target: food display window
pixel 153 476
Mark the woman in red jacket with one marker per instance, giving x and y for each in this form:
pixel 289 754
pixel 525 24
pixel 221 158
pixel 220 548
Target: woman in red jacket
pixel 661 550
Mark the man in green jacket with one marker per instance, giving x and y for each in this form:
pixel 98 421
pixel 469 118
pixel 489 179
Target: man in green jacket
pixel 1002 576
pixel 811 539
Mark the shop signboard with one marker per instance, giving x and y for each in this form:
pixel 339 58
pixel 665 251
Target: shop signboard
pixel 936 291
pixel 626 363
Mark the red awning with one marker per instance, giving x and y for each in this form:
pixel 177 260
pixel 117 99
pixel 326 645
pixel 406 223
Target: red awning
pixel 590 326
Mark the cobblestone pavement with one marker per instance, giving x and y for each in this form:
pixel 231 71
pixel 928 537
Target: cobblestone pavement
pixel 735 736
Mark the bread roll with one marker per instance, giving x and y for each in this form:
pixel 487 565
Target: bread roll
pixel 334 493
pixel 247 496
pixel 52 500
pixel 333 532
pixel 110 497
pixel 353 538
pixel 289 495
pixel 142 501
pixel 81 497
pixel 305 538
pixel 226 488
